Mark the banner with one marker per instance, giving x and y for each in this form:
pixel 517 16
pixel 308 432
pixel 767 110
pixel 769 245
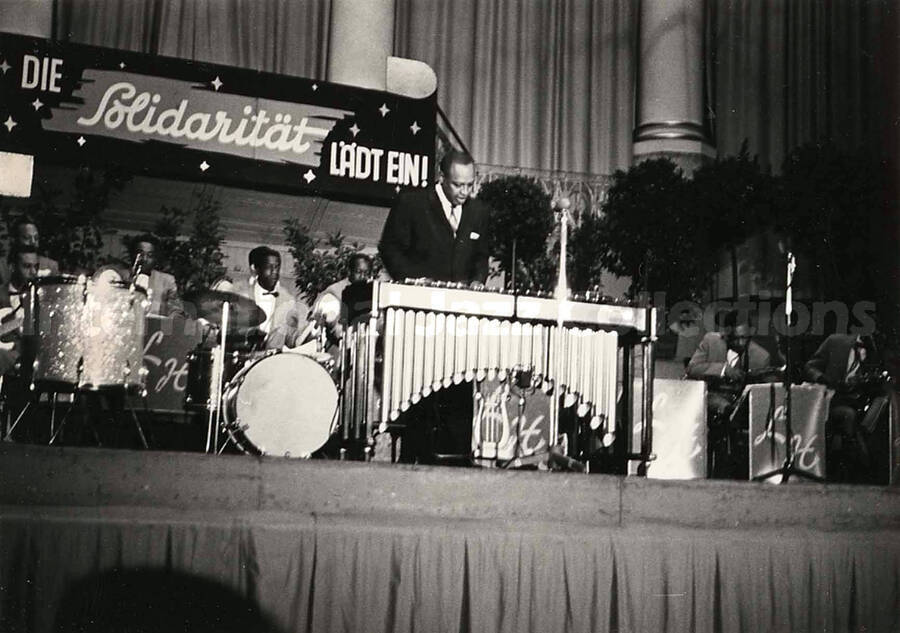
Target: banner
pixel 767 434
pixel 509 422
pixel 80 105
pixel 167 342
pixel 679 430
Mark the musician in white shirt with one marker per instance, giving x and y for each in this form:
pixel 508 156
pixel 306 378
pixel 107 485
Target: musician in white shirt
pixel 286 317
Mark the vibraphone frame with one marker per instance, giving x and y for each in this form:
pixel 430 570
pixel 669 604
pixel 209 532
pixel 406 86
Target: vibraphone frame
pixel 362 416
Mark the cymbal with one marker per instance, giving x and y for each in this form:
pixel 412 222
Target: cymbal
pixel 207 304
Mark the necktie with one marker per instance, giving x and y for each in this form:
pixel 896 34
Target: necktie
pixel 854 366
pixel 455 212
pixel 274 293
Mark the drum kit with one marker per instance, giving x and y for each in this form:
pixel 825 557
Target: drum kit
pixel 263 402
pixel 88 336
pixel 85 336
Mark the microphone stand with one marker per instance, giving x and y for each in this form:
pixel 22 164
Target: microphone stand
pixel 788 469
pixel 562 297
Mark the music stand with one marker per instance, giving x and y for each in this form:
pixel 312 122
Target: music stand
pixel 788 468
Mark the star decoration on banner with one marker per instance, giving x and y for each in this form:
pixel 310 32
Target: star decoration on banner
pixel 81 141
pixel 415 127
pixel 10 123
pixel 36 104
pixel 309 176
pixel 216 83
pixel 315 87
pixel 122 65
pixel 204 166
pixel 397 189
pixel 354 129
pixel 4 66
pixel 384 110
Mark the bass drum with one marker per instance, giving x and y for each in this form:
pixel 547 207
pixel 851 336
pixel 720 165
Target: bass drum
pixel 282 404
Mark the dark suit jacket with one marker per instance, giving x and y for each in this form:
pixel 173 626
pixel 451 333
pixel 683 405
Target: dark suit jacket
pixel 712 353
pixel 829 363
pixel 418 241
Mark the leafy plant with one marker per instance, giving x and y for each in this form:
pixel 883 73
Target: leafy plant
pixel 196 259
pixel 521 213
pixel 733 199
pixel 649 231
pixel 318 263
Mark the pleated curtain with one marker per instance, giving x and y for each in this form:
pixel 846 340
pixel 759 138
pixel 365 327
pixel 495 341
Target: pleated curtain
pixel 288 37
pixel 542 84
pixel 791 71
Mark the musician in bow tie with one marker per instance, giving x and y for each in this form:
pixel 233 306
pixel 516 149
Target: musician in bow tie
pixel 286 317
pixel 849 364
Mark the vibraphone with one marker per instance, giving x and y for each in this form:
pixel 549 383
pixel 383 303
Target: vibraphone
pixel 418 339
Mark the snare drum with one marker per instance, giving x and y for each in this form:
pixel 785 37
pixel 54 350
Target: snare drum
pixel 281 404
pixel 201 376
pixel 88 335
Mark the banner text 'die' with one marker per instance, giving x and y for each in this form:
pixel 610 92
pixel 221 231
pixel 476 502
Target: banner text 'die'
pixel 85 105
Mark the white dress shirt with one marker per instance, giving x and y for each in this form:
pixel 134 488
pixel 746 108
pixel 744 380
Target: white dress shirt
pixel 854 363
pixel 731 360
pixel 453 214
pixel 15 297
pixel 266 301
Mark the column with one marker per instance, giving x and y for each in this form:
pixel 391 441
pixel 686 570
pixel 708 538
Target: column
pixel 670 86
pixel 27 17
pixel 361 39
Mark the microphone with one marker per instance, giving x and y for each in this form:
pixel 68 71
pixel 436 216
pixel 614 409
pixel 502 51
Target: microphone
pixel 137 277
pixel 138 260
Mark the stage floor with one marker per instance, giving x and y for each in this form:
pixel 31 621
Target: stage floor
pixel 67 476
pixel 347 546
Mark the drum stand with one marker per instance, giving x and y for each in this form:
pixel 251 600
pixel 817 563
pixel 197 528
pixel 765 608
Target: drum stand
pixel 214 422
pixel 78 399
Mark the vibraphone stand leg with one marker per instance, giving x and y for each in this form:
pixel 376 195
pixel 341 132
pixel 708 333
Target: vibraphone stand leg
pixel 7 414
pixel 56 431
pixel 136 420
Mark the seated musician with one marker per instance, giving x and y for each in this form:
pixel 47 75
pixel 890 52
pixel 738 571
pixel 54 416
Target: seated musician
pixel 24 264
pixel 331 306
pixel 848 364
pixel 160 286
pixel 440 233
pixel 286 323
pixel 24 234
pixel 727 361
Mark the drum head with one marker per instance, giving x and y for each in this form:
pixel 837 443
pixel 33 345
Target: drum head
pixel 107 275
pixel 287 403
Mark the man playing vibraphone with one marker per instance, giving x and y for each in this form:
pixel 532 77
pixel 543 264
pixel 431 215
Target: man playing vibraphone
pixel 439 233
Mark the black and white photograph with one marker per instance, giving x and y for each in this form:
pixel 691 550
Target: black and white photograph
pixel 422 316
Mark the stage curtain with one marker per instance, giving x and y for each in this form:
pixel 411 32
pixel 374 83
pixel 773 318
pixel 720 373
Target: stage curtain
pixel 791 71
pixel 542 84
pixel 288 37
pixel 390 575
